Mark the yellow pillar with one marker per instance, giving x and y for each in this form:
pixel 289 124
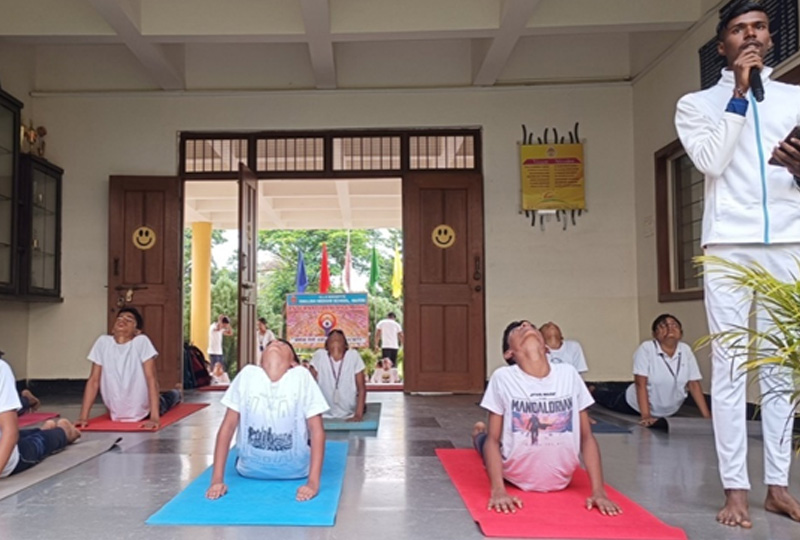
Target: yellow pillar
pixel 201 284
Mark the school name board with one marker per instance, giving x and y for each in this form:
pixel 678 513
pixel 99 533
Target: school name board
pixel 311 317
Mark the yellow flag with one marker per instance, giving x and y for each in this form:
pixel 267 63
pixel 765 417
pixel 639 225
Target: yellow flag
pixel 397 274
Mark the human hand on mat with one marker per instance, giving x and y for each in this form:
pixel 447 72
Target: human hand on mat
pixel 307 492
pixel 355 418
pixel 151 424
pixel 504 503
pixel 606 506
pixel 647 421
pixel 216 491
pixel 81 423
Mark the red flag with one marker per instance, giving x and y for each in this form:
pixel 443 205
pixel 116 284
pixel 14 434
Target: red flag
pixel 324 275
pixel 348 263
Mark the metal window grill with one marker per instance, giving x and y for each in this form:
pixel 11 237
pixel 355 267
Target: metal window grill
pixel 687 212
pixel 290 154
pixel 442 152
pixel 366 153
pixel 215 155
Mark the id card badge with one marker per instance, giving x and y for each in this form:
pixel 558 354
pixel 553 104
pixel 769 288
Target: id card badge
pixel 336 397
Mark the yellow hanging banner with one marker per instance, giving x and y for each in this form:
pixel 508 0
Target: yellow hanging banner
pixel 552 177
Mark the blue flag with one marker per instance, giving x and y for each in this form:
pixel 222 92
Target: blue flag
pixel 301 281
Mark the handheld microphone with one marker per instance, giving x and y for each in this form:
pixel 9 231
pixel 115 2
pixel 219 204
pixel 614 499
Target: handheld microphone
pixel 756 85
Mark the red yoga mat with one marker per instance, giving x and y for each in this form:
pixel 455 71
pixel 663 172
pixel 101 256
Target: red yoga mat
pixel 104 422
pixel 28 419
pixel 558 514
pixel 213 388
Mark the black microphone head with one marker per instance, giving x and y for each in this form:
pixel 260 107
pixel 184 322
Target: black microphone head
pixel 756 85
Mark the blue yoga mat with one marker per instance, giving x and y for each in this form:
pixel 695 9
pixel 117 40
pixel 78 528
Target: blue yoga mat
pixel 607 427
pixel 259 502
pixel 368 423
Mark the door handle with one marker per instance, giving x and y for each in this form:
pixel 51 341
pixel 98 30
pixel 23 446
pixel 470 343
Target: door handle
pixel 477 275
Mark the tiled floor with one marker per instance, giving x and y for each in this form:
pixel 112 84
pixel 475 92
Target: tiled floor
pixel 394 487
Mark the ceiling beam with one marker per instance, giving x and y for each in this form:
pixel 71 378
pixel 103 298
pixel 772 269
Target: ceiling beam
pixel 265 208
pixel 513 21
pixel 120 17
pixel 317 20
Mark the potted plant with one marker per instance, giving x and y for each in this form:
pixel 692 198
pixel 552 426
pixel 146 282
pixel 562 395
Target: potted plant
pixel 779 301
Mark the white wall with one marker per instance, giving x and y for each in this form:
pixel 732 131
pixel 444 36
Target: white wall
pixel 583 278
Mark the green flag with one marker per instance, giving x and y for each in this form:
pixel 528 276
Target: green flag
pixel 373 271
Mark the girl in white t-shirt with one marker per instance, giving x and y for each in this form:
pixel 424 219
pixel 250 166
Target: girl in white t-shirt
pixel 665 371
pixel 277 410
pixel 340 375
pixel 538 425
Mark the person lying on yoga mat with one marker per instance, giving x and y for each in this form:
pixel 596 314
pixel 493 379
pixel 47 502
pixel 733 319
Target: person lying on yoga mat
pixel 277 410
pixel 538 425
pixel 340 375
pixel 124 371
pixel 22 449
pixel 664 372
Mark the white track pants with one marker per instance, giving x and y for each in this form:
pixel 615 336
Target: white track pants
pixel 725 308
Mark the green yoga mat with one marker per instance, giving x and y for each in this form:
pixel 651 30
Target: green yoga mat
pixel 368 423
pixel 259 502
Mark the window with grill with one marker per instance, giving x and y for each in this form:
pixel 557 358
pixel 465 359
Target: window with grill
pixel 679 216
pixel 290 154
pixel 314 154
pixel 366 153
pixel 215 155
pixel 442 152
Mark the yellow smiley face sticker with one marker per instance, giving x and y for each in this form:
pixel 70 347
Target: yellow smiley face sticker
pixel 144 238
pixel 443 236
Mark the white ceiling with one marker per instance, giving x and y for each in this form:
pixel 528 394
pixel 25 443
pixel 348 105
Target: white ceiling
pixel 233 45
pixel 366 203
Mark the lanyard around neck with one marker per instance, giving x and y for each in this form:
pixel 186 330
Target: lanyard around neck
pixel 336 376
pixel 663 356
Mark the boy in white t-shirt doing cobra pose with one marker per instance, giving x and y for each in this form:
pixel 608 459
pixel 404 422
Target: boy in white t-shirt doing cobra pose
pixel 124 372
pixel 277 409
pixel 538 425
pixel 340 375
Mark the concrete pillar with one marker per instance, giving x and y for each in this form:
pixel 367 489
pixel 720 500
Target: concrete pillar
pixel 201 284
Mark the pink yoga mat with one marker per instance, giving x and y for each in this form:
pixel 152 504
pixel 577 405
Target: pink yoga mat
pixel 28 419
pixel 559 514
pixel 104 422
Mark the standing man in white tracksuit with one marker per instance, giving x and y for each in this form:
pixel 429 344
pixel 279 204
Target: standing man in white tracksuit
pixel 752 214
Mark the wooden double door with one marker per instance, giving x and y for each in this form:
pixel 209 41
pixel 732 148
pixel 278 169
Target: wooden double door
pixel 443 280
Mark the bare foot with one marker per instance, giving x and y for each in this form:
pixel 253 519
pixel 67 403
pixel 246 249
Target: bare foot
pixel 33 400
pixel 735 513
pixel 49 424
pixel 780 501
pixel 71 431
pixel 477 429
pixel 179 388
